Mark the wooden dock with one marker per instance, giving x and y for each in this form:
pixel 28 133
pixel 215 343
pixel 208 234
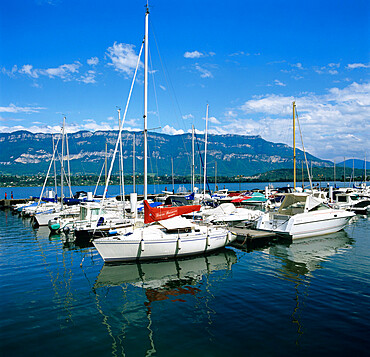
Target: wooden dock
pixel 8 203
pixel 251 234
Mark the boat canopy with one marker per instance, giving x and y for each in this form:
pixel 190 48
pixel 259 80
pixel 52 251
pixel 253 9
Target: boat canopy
pixel 298 203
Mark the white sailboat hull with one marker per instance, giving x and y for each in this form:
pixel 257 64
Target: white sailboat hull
pixel 151 243
pixel 305 224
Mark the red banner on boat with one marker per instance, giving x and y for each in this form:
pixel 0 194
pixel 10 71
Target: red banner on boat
pixel 154 214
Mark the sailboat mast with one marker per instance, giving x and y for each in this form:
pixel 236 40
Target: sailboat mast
pixel 294 157
pixel 215 175
pixel 55 170
pixel 344 171
pixel 353 170
pixel 146 104
pixel 205 154
pixel 62 166
pixel 121 158
pixel 193 161
pixel 105 164
pixel 173 181
pixel 133 164
pixel 365 171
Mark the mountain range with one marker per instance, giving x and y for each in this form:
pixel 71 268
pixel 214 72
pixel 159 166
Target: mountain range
pixel 26 153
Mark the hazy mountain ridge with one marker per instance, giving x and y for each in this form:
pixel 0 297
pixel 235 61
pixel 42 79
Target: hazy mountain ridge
pixel 23 152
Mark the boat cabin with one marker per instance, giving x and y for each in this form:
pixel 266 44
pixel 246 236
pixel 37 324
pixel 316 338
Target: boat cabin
pixel 300 203
pixel 90 212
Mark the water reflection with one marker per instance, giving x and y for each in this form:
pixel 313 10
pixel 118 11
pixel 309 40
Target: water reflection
pixel 171 281
pixel 300 259
pixel 163 279
pixel 304 256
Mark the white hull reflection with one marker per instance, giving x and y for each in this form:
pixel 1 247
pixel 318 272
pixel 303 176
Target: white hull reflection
pixel 306 255
pixel 162 274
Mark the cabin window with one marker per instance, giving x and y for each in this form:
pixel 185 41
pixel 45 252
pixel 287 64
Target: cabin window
pixel 320 207
pixel 83 213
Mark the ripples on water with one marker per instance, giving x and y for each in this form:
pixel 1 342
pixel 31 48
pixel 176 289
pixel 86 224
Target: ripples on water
pixel 310 298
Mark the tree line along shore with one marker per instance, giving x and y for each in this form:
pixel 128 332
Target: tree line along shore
pixel 280 175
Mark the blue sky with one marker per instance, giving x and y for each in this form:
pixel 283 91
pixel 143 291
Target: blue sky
pixel 247 59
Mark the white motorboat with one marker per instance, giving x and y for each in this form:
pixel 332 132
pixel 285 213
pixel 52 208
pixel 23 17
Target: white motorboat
pixel 228 213
pixel 43 218
pixel 301 215
pixel 352 201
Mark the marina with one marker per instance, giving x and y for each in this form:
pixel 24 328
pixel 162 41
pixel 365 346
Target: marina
pixel 59 298
pixel 183 181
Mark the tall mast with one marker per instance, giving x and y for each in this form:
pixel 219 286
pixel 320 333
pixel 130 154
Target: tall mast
pixel 205 154
pixel 105 165
pixel 62 166
pixel 193 162
pixel 365 170
pixel 344 171
pixel 146 104
pixel 69 167
pixel 334 175
pixel 133 164
pixel 55 169
pixel 215 175
pixel 173 181
pixel 294 157
pixel 353 170
pixel 121 158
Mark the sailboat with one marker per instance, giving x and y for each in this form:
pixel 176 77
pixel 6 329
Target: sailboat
pixel 165 234
pixel 301 215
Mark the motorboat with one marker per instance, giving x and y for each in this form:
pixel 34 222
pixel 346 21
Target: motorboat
pixel 229 214
pixel 352 201
pixel 301 215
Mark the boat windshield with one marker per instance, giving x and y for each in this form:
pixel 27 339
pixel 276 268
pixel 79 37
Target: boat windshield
pixel 293 205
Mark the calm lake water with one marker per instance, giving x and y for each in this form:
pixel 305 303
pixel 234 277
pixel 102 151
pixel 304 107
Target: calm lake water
pixel 306 298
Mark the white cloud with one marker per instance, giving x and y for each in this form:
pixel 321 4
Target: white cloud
pixel 278 83
pixel 230 114
pixel 123 57
pixel 28 69
pixel 11 72
pixel 213 120
pixel 358 65
pixel 331 68
pixel 338 117
pixel 12 108
pixel 88 77
pixel 239 53
pixel 64 71
pixel 88 124
pixel 188 116
pixel 204 73
pixel 162 87
pixel 171 131
pixel 194 54
pixel 133 122
pixel 93 61
pixel 297 65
